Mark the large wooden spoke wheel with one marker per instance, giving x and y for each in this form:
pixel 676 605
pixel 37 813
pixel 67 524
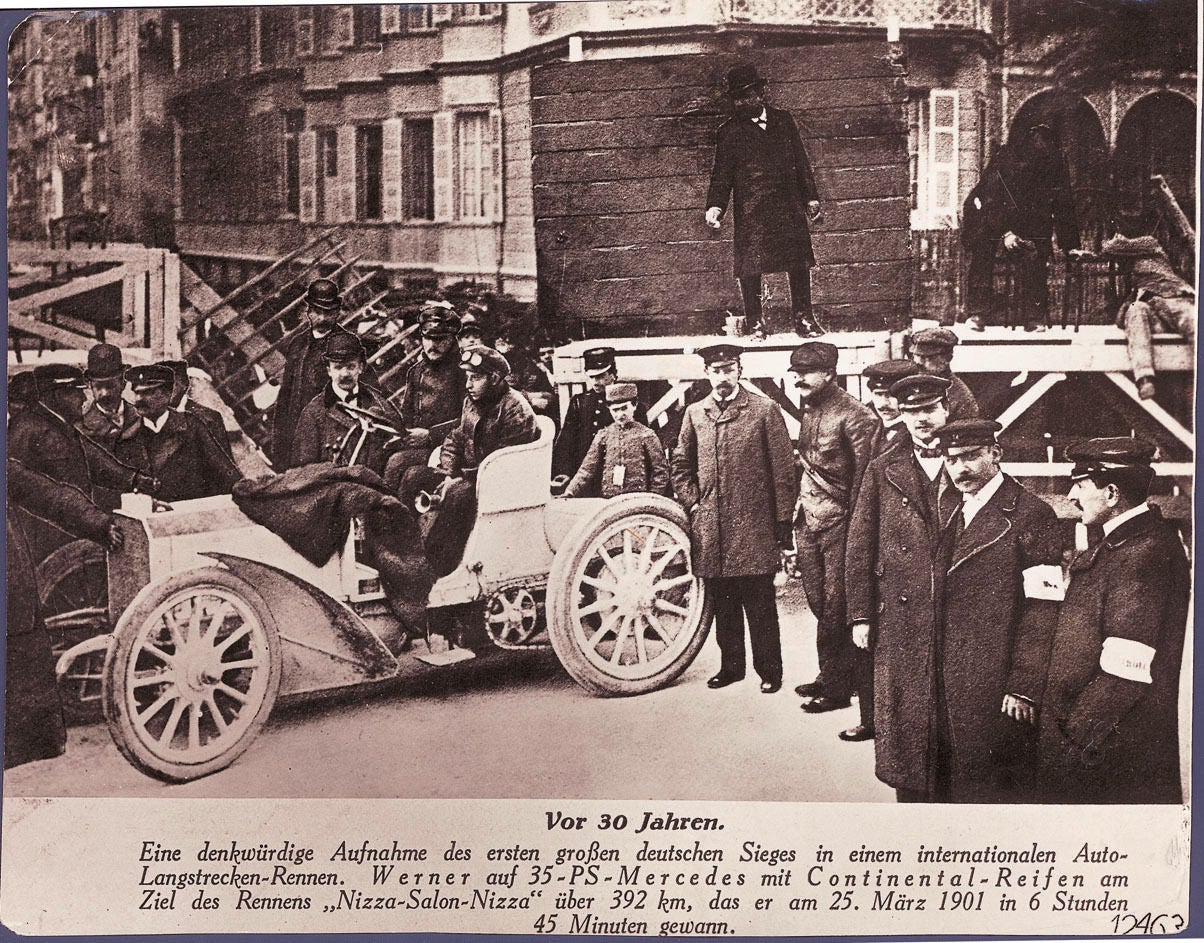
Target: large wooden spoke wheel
pixel 627 613
pixel 74 593
pixel 192 674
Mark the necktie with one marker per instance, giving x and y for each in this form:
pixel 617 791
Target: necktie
pixel 928 453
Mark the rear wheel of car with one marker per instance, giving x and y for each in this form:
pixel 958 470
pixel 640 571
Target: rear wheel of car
pixel 192 674
pixel 74 593
pixel 626 614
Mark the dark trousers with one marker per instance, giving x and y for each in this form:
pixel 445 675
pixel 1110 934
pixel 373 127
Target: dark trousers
pixel 451 522
pixel 800 295
pixel 980 286
pixel 1032 284
pixel 737 598
pixel 844 669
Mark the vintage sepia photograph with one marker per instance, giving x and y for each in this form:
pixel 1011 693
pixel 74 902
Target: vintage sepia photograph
pixel 665 401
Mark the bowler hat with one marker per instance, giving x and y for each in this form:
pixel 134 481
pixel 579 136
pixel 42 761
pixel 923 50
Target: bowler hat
pixel 719 353
pixel 483 359
pixel 740 78
pixel 150 377
pixel 967 433
pixel 622 393
pixel 104 363
pixel 598 360
pixel 883 374
pixel 916 392
pixel 324 294
pixel 342 346
pixel 814 355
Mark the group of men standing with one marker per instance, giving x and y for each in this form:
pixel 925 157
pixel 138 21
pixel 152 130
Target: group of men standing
pixel 937 584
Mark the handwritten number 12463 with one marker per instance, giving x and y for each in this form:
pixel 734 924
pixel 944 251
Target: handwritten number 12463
pixel 1147 923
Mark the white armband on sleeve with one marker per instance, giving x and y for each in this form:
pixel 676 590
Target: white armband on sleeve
pixel 1125 658
pixel 1044 582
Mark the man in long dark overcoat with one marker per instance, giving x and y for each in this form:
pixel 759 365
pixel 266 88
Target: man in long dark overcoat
pixel 760 163
pixel 304 369
pixel 174 448
pixel 587 413
pixel 327 431
pixel 890 583
pixel 33 720
pixel 1109 718
pixel 1000 557
pixel 733 472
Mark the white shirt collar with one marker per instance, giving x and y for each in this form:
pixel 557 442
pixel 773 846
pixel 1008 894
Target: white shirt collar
pixel 156 425
pixel 726 399
pixel 183 404
pixel 762 118
pixel 932 466
pixel 117 417
pixel 344 395
pixel 1128 515
pixel 973 503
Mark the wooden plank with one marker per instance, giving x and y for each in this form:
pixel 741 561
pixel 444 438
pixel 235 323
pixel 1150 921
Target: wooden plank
pixel 851 183
pixel 605 163
pixel 626 132
pixel 51 332
pixel 35 253
pixel 77 286
pixel 846 60
pixel 635 228
pixel 864 315
pixel 858 122
pixel 654 294
pixel 861 281
pixel 811 92
pixel 853 151
pixel 633 261
pixel 879 245
pixel 607 197
pixel 203 298
pixel 858 215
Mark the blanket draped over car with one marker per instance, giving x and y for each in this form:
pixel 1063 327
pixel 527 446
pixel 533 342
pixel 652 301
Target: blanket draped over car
pixel 311 508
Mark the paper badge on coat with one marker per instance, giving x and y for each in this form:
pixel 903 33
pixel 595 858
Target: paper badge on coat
pixel 1044 582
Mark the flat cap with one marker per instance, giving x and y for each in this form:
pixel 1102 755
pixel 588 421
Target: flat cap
pixel 483 360
pixel 438 319
pixel 324 293
pixel 719 353
pixel 1094 456
pixel 342 346
pixel 883 374
pixel 51 375
pixel 598 360
pixel 104 362
pixel 814 355
pixel 622 393
pixel 934 338
pixel 967 433
pixel 920 390
pixel 150 377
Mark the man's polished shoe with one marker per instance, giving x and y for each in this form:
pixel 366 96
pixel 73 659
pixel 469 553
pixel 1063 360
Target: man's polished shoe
pixel 823 704
pixel 771 687
pixel 857 734
pixel 810 689
pixel 722 680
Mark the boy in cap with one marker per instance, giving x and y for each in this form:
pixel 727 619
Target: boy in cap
pixel 624 457
pixel 733 472
pixel 1000 567
pixel 174 448
pixel 836 434
pixel 587 413
pixel 108 417
pixel 904 500
pixel 494 417
pixel 879 378
pixel 304 369
pixel 760 163
pixel 329 432
pixel 932 351
pixel 1109 717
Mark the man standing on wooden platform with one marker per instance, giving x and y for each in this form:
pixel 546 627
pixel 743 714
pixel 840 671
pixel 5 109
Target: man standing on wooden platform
pixel 761 164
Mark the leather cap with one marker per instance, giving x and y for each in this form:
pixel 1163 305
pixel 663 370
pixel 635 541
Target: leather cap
pixel 150 377
pixel 482 359
pixel 814 355
pixel 598 360
pixel 885 373
pixel 1097 456
pixel 720 353
pixel 967 433
pixel 916 392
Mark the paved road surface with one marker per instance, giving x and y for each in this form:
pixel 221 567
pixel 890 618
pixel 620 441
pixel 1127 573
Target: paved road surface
pixel 515 725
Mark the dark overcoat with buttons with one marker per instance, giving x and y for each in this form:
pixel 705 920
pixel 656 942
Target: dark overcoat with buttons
pixel 586 416
pixel 326 433
pixel 769 178
pixel 994 641
pixel 184 456
pixel 891 581
pixel 737 466
pixel 1105 738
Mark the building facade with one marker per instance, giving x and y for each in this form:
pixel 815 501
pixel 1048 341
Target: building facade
pixel 237 134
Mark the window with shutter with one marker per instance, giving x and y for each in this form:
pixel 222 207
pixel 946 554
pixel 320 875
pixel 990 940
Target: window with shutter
pixel 418 169
pixel 444 166
pixel 943 158
pixel 474 166
pixel 343 21
pixel 369 145
pixel 416 17
pixel 390 19
pixel 308 176
pixel 497 170
pixel 304 27
pixel 346 178
pixel 294 128
pixel 390 172
pixel 366 24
